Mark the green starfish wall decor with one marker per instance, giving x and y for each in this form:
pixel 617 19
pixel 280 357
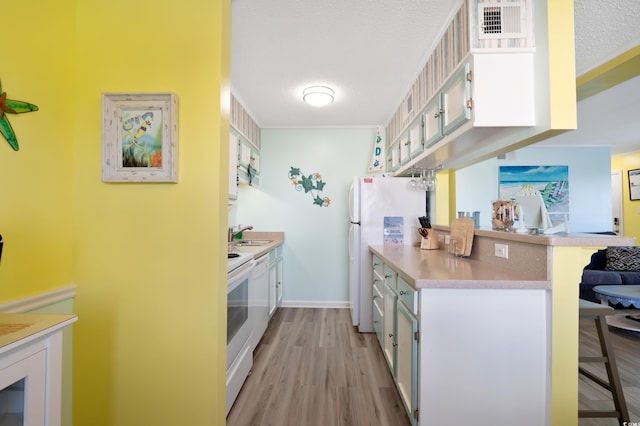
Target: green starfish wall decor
pixel 312 184
pixel 14 107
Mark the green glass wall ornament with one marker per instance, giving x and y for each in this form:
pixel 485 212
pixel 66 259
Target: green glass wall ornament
pixel 14 107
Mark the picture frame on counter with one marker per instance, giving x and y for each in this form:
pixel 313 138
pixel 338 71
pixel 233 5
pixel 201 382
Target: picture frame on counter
pixel 140 137
pixel 634 184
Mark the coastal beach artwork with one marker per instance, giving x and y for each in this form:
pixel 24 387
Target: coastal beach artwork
pixel 551 181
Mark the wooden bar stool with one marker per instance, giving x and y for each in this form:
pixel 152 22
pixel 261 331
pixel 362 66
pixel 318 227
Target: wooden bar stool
pixel 591 310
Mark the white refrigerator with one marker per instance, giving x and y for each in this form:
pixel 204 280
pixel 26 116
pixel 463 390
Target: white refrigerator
pixel 371 200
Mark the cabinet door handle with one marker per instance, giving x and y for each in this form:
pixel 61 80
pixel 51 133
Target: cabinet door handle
pixel 391 335
pixel 387 276
pixel 402 292
pixel 394 344
pixel 437 114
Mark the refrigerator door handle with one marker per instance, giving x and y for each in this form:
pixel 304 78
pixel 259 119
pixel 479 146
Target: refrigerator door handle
pixel 355 223
pixel 354 210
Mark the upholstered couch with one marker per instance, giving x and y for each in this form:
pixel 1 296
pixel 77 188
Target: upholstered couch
pixel 610 266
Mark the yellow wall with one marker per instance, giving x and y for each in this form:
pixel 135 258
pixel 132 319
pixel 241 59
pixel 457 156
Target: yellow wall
pixel 35 182
pixel 631 209
pixel 148 259
pixel 445 197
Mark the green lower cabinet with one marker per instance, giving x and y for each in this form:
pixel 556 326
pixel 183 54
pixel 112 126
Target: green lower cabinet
pixel 389 329
pixel 378 321
pixel 395 322
pixel 407 360
pixel 378 307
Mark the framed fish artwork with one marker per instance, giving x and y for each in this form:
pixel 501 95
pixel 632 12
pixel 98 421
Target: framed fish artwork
pixel 139 137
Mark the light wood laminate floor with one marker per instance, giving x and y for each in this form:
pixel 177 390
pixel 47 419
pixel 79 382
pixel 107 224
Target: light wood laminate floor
pixel 313 368
pixel 626 345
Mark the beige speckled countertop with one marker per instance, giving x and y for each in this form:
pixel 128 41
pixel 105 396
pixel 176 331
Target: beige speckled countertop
pixel 16 327
pixel 527 267
pixel 276 238
pixel 439 269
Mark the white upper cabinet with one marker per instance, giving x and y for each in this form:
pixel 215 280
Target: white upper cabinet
pixel 249 163
pixel 416 141
pixel 233 166
pixel 247 132
pixel 433 121
pixel 456 100
pixel 503 89
pixel 393 156
pixel 480 75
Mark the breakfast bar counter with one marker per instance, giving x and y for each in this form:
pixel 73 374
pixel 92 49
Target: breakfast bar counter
pixel 498 335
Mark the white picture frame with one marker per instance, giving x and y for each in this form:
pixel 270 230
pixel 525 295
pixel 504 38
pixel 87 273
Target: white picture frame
pixel 140 137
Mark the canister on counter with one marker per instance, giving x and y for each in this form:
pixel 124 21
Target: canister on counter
pixel 502 215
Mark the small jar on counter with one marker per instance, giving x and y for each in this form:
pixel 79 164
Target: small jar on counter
pixel 502 215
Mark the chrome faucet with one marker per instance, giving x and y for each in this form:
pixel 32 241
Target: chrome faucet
pixel 232 234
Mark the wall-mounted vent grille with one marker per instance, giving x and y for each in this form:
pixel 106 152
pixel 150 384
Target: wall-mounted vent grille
pixel 502 20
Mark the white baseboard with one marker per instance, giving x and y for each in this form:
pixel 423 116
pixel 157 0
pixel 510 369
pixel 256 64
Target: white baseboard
pixel 313 304
pixel 38 301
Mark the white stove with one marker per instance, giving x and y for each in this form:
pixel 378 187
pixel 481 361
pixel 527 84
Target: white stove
pixel 239 323
pixel 235 260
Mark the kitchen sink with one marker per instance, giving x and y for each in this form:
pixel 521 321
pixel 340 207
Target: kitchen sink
pixel 252 242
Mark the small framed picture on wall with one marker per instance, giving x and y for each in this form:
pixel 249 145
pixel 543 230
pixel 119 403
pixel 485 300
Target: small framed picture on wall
pixel 634 184
pixel 139 137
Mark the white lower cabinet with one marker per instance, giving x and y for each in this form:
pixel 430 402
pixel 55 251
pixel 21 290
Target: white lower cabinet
pixel 31 368
pixel 25 381
pixel 275 279
pixel 471 355
pixel 399 336
pixel 279 277
pixel 258 299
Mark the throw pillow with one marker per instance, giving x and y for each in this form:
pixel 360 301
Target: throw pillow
pixel 623 258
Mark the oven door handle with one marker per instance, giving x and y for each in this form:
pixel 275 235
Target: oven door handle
pixel 236 278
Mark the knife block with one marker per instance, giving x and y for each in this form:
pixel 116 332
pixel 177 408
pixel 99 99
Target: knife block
pixel 430 242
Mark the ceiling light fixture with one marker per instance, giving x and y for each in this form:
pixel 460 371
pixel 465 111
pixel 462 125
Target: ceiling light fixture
pixel 318 95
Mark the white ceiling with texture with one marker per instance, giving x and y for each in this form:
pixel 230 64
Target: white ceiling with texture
pixel 604 29
pixel 370 52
